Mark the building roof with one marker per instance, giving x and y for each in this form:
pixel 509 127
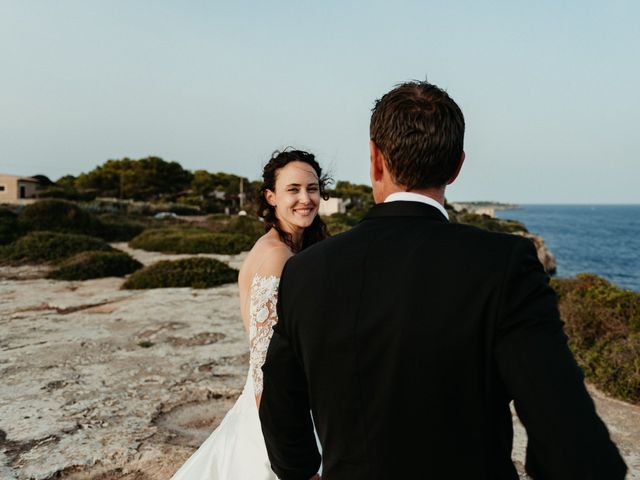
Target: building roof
pixel 19 178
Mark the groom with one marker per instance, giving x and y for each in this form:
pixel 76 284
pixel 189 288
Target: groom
pixel 408 336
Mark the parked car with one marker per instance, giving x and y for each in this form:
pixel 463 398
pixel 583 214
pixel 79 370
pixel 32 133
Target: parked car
pixel 161 215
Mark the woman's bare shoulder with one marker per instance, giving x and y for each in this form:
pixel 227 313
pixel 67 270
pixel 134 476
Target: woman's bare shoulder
pixel 267 257
pixel 271 245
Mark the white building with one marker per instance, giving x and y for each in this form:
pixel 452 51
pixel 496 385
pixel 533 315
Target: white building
pixel 333 205
pixel 16 189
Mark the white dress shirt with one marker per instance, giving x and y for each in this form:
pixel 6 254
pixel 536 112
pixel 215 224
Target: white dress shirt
pixel 416 197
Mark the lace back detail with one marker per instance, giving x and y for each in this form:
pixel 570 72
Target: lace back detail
pixel 262 318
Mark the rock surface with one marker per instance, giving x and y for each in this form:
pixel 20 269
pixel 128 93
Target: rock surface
pixel 102 383
pixel 545 256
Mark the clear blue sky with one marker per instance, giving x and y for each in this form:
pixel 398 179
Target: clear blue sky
pixel 550 90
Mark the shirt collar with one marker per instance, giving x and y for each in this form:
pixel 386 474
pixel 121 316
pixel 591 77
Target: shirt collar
pixel 416 197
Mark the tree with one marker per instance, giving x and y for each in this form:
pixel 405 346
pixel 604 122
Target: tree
pixel 203 183
pixel 43 180
pixel 68 181
pixel 150 178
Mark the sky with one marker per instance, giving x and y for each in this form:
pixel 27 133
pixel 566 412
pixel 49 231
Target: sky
pixel 549 89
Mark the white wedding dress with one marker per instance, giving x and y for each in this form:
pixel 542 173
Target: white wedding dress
pixel 236 450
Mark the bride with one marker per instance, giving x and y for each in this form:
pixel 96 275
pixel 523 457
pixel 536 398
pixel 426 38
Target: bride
pixel 288 201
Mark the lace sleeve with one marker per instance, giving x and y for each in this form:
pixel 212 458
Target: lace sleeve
pixel 262 318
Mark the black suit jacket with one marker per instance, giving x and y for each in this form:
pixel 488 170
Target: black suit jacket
pixel 407 337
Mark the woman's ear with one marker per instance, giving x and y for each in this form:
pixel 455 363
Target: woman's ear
pixel 270 197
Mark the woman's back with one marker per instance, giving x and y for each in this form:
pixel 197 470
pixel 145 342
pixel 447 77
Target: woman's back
pixel 266 259
pixel 236 449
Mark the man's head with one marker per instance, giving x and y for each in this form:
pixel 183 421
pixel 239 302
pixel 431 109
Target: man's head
pixel 417 133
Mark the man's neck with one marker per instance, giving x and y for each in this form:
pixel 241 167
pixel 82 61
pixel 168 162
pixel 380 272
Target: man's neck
pixel 436 194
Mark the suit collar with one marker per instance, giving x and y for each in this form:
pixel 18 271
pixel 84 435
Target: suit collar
pixel 416 197
pixel 405 209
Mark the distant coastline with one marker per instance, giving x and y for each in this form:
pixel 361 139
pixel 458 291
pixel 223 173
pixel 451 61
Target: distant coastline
pixel 600 239
pixel 483 207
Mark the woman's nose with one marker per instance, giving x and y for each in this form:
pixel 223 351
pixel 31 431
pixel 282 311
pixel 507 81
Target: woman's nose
pixel 304 196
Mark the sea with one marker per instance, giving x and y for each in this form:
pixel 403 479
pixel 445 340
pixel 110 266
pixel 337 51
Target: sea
pixel 600 239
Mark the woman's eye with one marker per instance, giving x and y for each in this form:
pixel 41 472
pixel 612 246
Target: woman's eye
pixel 294 190
pixel 313 189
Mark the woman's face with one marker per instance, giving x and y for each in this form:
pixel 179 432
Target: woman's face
pixel 296 197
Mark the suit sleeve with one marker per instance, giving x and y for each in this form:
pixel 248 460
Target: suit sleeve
pixel 284 409
pixel 567 439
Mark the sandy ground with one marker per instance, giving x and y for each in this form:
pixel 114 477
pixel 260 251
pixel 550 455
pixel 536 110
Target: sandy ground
pixel 103 383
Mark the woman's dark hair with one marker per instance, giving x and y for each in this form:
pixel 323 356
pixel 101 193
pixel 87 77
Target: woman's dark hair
pixel 420 130
pixel 317 230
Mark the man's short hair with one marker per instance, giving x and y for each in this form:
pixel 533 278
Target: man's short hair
pixel 420 131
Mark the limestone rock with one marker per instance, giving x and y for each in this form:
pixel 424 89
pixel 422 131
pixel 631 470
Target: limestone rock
pixel 102 383
pixel 545 256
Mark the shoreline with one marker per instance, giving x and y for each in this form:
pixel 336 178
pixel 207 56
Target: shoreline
pixel 588 239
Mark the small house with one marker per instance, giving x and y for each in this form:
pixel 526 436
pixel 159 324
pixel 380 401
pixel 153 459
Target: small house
pixel 333 205
pixel 16 189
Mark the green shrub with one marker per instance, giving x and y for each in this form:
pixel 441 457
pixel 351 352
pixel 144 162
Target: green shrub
pixel 190 240
pixel 252 227
pixel 50 246
pixel 7 213
pixel 113 228
pixel 602 322
pixel 182 209
pixel 488 223
pixel 9 228
pixel 193 272
pixel 218 216
pixel 87 265
pixel 67 193
pixel 341 219
pixel 614 366
pixel 64 216
pixel 336 227
pixel 57 216
pixel 339 222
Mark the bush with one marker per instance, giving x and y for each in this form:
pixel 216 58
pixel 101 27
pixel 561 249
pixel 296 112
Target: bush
pixel 87 265
pixel 218 216
pixel 614 366
pixel 57 216
pixel 190 240
pixel 341 218
pixel 336 227
pixel 252 227
pixel 64 216
pixel 67 193
pixel 190 272
pixel 488 223
pixel 7 213
pixel 113 228
pixel 9 228
pixel 339 222
pixel 182 209
pixel 602 322
pixel 49 247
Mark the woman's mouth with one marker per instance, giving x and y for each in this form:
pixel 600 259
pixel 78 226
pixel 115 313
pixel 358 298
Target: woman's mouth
pixel 304 211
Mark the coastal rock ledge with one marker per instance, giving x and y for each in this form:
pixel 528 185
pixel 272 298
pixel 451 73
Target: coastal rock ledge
pixel 545 256
pixel 104 384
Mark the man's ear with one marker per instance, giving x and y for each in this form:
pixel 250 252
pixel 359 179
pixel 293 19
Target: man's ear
pixel 270 197
pixel 455 175
pixel 377 162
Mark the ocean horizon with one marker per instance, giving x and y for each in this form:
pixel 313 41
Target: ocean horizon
pixel 587 238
